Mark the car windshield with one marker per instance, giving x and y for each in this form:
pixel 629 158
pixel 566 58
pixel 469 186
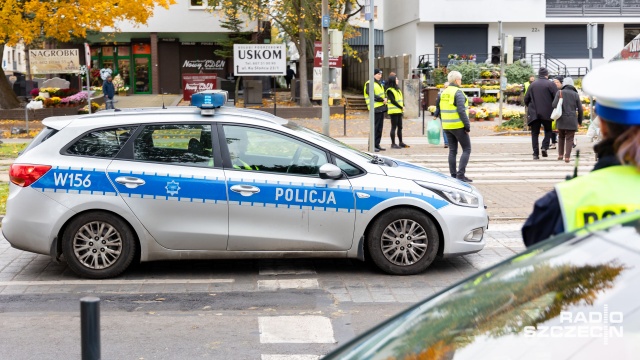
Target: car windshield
pixel 533 304
pixel 323 138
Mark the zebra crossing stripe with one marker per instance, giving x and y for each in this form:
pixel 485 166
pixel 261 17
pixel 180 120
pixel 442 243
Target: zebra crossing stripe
pixel 290 357
pixel 282 284
pixel 295 330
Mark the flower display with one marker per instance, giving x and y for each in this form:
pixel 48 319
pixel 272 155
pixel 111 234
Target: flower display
pixel 482 114
pixel 34 92
pixel 489 99
pixel 118 83
pixel 49 90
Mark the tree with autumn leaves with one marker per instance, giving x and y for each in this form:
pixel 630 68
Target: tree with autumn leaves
pixel 300 20
pixel 62 20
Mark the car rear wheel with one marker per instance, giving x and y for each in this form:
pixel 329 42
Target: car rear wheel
pixel 403 242
pixel 98 245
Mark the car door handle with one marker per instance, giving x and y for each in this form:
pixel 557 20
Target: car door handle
pixel 245 190
pixel 130 182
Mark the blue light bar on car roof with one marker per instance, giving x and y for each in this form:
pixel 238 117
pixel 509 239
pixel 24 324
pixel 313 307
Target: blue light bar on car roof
pixel 209 100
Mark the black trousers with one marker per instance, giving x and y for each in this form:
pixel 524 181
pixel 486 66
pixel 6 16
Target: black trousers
pixel 396 123
pixel 456 136
pixel 535 132
pixel 379 123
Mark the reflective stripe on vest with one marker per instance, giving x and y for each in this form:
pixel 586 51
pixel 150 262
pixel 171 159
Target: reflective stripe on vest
pixel 449 111
pixel 378 90
pixel 602 193
pixel 392 109
pixel 243 165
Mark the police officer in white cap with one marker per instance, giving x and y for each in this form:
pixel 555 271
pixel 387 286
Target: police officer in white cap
pixel 613 187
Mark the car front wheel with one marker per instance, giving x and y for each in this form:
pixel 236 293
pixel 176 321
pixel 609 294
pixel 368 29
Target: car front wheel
pixel 403 242
pixel 98 245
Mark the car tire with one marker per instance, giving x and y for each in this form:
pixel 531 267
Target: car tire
pixel 98 245
pixel 403 242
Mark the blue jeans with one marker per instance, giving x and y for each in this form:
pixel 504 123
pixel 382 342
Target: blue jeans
pixel 444 136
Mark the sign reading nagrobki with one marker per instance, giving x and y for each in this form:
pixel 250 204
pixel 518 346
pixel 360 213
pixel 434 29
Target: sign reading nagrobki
pixel 54 61
pixel 259 60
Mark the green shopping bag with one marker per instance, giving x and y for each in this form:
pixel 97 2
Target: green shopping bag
pixel 433 132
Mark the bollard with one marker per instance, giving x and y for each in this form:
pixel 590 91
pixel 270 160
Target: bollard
pixel 345 117
pixel 90 327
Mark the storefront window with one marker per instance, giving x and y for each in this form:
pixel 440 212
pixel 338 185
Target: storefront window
pixel 107 51
pixel 142 75
pixel 124 51
pixel 124 68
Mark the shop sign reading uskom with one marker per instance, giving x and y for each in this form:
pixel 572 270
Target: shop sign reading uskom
pixel 259 60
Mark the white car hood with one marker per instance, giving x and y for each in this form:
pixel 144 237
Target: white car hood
pixel 411 171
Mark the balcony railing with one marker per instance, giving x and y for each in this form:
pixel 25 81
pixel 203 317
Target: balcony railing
pixel 590 8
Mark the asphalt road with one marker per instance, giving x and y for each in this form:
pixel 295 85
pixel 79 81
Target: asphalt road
pixel 262 309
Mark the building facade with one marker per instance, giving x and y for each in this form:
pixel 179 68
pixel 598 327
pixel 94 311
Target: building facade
pixel 13 60
pixel 152 58
pixel 551 29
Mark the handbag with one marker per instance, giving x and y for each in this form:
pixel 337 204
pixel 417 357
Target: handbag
pixel 433 132
pixel 557 112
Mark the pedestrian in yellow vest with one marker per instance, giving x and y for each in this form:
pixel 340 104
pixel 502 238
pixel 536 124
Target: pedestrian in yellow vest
pixel 395 106
pixel 379 106
pixel 613 187
pixel 453 109
pixel 436 114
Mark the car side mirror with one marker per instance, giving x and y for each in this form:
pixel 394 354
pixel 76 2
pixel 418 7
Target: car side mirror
pixel 330 171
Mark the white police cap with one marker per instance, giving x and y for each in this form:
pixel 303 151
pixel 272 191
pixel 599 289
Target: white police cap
pixel 616 87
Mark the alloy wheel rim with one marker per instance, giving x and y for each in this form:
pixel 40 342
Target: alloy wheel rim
pixel 97 245
pixel 404 242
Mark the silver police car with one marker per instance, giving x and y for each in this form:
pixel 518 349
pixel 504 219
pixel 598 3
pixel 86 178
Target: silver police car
pixel 215 182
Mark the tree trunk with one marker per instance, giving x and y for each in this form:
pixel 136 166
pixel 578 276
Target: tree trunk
pixel 8 99
pixel 302 72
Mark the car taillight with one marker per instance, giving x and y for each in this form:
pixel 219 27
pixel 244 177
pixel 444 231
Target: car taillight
pixel 26 174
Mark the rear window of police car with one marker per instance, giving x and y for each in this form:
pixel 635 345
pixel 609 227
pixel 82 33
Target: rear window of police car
pixel 45 134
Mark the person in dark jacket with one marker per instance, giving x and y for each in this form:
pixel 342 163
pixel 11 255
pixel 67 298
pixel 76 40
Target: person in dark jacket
pixel 109 92
pixel 538 100
pixel 567 124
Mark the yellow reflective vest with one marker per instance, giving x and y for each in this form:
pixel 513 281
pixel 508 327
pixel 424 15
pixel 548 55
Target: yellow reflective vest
pixel 526 87
pixel 602 193
pixel 378 90
pixel 392 109
pixel 448 110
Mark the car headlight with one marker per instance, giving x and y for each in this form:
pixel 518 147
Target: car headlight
pixel 454 196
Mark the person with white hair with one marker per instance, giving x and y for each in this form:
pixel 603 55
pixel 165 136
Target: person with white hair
pixel 453 109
